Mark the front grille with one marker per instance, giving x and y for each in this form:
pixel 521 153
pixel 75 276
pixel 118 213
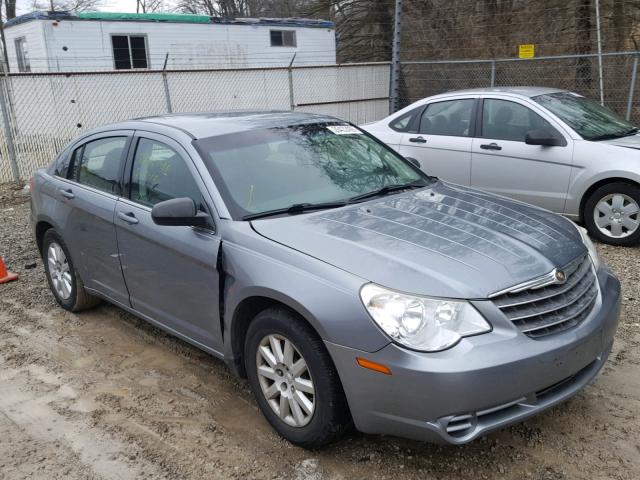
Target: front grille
pixel 538 312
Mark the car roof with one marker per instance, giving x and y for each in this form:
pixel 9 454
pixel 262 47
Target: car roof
pixel 212 124
pixel 521 91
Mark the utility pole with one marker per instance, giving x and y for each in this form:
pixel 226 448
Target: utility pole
pixel 394 86
pixel 599 40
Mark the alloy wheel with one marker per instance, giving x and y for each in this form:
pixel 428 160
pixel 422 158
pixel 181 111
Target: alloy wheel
pixel 285 380
pixel 59 271
pixel 616 215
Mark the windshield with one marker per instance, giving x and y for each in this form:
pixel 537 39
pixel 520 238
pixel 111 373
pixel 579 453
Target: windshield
pixel 590 119
pixel 264 170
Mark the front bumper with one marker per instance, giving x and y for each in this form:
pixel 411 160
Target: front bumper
pixel 484 383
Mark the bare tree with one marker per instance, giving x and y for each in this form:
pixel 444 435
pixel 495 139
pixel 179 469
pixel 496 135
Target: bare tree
pixel 149 6
pixel 9 9
pixel 66 5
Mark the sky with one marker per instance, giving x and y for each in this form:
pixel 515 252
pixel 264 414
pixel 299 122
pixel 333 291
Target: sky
pixel 24 6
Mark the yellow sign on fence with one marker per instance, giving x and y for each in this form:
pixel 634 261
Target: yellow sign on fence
pixel 527 51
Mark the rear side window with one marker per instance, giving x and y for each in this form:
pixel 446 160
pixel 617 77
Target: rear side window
pixel 452 118
pixel 97 163
pixel 159 173
pixel 404 122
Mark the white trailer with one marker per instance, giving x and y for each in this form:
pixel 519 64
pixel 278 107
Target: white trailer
pixel 59 41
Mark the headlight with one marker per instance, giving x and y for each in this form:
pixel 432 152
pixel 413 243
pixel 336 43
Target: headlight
pixel 593 253
pixel 421 323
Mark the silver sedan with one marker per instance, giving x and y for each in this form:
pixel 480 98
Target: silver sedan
pixel 548 147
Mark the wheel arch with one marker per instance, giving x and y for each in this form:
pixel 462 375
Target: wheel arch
pixel 600 183
pixel 41 228
pixel 242 316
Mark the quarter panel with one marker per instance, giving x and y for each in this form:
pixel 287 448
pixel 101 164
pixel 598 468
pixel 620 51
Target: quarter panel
pixel 327 297
pixel 596 161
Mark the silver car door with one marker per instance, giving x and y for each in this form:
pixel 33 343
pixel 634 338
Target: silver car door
pixel 503 163
pixel 442 140
pixel 88 198
pixel 171 271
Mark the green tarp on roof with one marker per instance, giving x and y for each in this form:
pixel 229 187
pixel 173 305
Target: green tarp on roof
pixel 145 17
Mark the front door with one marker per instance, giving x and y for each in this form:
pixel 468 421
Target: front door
pixel 443 140
pixel 170 271
pixel 503 163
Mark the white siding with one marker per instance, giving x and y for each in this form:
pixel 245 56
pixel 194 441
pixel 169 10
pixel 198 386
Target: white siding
pixel 32 32
pixel 88 44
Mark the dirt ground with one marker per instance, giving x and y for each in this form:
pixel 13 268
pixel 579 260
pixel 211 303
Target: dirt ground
pixel 102 394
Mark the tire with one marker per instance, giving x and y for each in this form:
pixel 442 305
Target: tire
pixel 330 418
pixel 73 296
pixel 612 204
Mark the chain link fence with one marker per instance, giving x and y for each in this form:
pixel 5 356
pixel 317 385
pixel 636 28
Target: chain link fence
pixel 41 113
pixel 578 73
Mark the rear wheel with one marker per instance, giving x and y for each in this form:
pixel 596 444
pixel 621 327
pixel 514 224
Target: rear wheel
pixel 294 380
pixel 64 281
pixel 612 214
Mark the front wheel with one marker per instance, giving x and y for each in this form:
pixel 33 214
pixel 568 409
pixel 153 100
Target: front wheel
pixel 294 380
pixel 612 214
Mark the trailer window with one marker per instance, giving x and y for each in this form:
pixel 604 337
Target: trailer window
pixel 283 38
pixel 22 54
pixel 129 51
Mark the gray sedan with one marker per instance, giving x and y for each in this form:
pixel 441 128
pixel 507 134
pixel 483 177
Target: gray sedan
pixel 349 287
pixel 548 147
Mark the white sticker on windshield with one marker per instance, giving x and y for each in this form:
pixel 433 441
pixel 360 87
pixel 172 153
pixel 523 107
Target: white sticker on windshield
pixel 344 130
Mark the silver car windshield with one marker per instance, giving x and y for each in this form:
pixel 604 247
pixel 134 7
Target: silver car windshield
pixel 591 120
pixel 302 166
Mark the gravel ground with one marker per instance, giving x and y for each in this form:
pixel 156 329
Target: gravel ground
pixel 102 394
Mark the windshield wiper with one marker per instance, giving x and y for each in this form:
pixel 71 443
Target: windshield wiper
pixel 387 189
pixel 295 208
pixel 611 136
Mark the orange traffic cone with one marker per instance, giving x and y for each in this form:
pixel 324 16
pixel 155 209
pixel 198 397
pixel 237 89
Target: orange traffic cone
pixel 6 276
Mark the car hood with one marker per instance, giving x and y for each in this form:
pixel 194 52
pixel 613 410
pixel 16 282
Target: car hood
pixel 632 141
pixel 443 240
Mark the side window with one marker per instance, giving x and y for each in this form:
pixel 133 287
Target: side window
pixel 159 173
pixel 283 38
pixel 129 51
pixel 97 163
pixel 404 122
pixel 452 117
pixel 505 120
pixel 22 55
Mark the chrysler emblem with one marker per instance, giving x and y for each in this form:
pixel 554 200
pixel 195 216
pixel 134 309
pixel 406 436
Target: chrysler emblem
pixel 561 277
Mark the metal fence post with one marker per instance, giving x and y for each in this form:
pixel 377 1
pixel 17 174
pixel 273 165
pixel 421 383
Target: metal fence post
pixel 292 103
pixel 8 131
pixel 394 86
pixel 167 94
pixel 493 73
pixel 632 86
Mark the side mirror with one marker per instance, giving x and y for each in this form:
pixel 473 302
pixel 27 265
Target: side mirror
pixel 178 212
pixel 413 161
pixel 544 137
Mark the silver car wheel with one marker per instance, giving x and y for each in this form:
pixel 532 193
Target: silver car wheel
pixel 616 215
pixel 59 271
pixel 285 380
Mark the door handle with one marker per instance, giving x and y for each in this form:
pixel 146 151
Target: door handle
pixel 128 217
pixel 418 140
pixel 66 193
pixel 491 146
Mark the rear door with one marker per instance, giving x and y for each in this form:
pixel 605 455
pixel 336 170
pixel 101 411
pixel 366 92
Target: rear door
pixel 88 190
pixel 503 163
pixel 442 139
pixel 170 271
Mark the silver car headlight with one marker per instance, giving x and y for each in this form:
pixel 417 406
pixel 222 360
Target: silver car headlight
pixel 422 323
pixel 593 253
